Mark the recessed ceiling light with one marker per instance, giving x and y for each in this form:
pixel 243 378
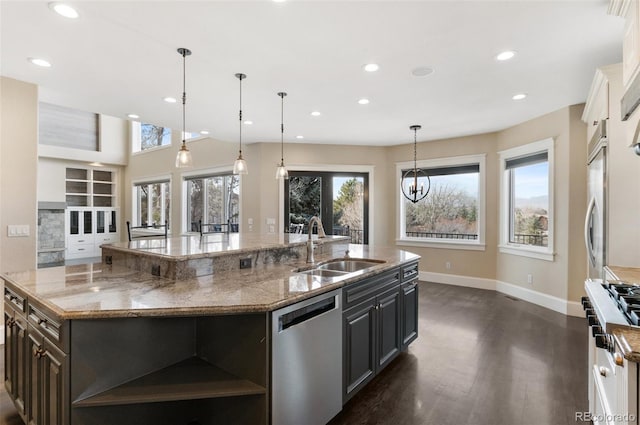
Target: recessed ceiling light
pixel 247 122
pixel 170 99
pixel 363 101
pixel 421 71
pixel 519 96
pixel 300 137
pixel 40 62
pixel 506 55
pixel 316 114
pixel 64 10
pixel 204 132
pixel 371 67
pixel 96 164
pixel 133 116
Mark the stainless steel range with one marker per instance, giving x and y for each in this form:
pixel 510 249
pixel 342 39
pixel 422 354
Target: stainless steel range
pixel 613 380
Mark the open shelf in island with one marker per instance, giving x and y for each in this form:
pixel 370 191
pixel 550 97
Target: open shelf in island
pixel 190 379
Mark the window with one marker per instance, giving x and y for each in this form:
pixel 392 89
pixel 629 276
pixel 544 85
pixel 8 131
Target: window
pixel 452 214
pixel 526 201
pixel 147 136
pixel 339 199
pixel 152 202
pixel 214 199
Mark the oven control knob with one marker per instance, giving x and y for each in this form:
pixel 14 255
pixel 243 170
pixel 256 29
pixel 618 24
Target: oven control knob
pixel 617 357
pixel 585 302
pixel 602 341
pixel 593 320
pixel 596 330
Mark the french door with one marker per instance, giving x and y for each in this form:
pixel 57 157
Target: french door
pixel 340 199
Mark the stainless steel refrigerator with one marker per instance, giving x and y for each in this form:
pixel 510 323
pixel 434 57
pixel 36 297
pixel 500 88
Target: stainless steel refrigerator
pixel 596 223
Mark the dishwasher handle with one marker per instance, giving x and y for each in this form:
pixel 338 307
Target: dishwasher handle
pixel 306 313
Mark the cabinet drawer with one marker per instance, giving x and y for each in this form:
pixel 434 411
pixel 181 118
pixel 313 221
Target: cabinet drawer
pixel 604 374
pixel 107 238
pixel 52 329
pixel 409 272
pixel 80 251
pixel 361 291
pixel 80 239
pixel 15 300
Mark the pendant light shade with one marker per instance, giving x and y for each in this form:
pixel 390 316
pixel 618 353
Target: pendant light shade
pixel 409 182
pixel 240 166
pixel 281 171
pixel 184 159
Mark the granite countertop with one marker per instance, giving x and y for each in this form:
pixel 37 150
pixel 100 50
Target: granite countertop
pixel 630 275
pixel 217 244
pixel 97 290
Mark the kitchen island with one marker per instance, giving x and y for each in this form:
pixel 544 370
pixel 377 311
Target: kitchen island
pixel 174 331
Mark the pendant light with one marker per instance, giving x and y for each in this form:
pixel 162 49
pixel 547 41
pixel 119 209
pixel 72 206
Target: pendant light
pixel 409 182
pixel 281 171
pixel 183 159
pixel 240 166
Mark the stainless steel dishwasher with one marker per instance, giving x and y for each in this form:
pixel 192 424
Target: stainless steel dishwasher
pixel 307 361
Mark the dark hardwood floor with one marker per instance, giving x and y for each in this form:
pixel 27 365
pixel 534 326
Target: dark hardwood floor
pixel 482 358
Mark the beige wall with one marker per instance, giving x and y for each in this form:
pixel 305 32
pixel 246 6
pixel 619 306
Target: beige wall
pixel 553 278
pixel 18 172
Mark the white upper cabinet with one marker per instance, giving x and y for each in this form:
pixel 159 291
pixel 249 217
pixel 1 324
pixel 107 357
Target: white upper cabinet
pixel 630 11
pixel 597 106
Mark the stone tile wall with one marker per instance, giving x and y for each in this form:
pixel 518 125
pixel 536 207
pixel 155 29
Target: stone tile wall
pixel 50 237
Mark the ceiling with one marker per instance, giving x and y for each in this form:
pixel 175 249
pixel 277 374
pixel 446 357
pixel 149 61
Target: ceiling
pixel 120 57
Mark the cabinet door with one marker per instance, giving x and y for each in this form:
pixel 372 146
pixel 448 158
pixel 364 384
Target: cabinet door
pixel 10 347
pixel 389 342
pixel 409 313
pixel 21 363
pixel 359 346
pixel 34 377
pixel 54 388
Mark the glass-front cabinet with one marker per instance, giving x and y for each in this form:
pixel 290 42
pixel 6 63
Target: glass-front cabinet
pixel 91 217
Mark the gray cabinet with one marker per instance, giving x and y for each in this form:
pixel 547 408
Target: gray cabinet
pixel 47 381
pixel 36 368
pixel 409 313
pixel 371 329
pixel 15 366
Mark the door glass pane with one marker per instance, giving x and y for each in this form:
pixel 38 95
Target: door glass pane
pixel 100 221
pixel 305 201
pixel 74 222
pixel 112 223
pixel 87 222
pixel 348 207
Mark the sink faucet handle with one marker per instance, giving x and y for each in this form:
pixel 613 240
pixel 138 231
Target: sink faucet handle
pixel 346 253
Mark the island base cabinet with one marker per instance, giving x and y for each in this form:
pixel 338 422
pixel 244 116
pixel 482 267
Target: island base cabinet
pixel 15 360
pixel 371 333
pixel 409 313
pixel 48 382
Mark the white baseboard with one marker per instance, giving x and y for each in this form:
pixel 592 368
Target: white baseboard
pixel 570 308
pixel 458 280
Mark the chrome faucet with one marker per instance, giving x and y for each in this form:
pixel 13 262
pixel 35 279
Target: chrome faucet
pixel 321 234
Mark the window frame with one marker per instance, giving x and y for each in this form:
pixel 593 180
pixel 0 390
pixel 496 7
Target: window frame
pixel 506 191
pixel 204 173
pixel 135 199
pixel 460 244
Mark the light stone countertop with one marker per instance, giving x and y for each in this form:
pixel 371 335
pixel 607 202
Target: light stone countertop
pixel 217 244
pixel 94 291
pixel 630 275
pixel 629 342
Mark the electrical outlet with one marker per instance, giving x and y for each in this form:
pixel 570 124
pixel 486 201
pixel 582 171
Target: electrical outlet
pixel 245 263
pixel 530 279
pixel 448 265
pixel 155 269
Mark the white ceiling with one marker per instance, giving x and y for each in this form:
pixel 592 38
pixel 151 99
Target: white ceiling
pixel 120 57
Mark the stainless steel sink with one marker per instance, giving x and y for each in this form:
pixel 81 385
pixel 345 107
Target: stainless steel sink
pixel 323 272
pixel 349 265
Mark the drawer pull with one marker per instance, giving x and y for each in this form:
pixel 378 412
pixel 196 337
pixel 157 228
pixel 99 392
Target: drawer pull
pixel 603 371
pixel 38 353
pixel 11 322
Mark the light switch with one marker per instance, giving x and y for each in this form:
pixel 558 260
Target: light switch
pixel 271 221
pixel 249 221
pixel 18 230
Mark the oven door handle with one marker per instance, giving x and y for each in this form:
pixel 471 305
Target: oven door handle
pixel 587 231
